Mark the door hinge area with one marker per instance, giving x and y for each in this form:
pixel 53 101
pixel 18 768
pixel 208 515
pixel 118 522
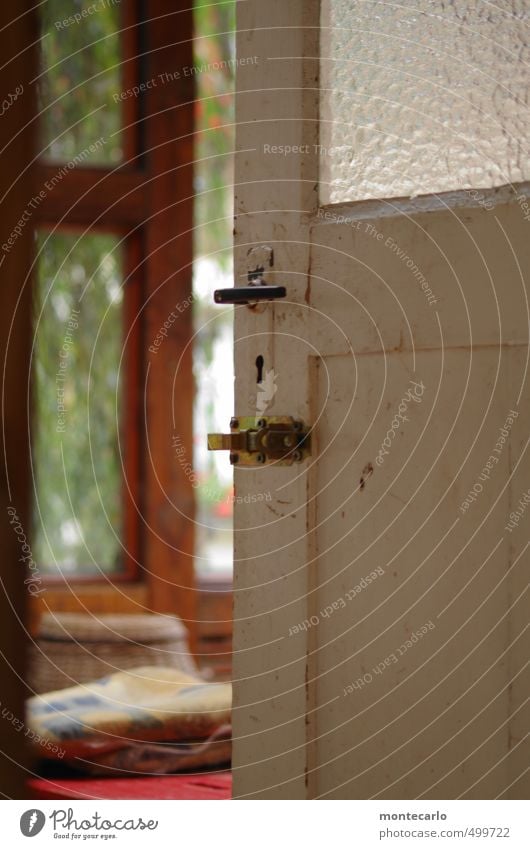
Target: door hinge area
pixel 253 441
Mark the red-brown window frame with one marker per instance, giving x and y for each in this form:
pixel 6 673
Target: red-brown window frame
pixel 149 201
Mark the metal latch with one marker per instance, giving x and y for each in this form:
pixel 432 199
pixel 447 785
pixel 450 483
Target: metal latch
pixel 271 439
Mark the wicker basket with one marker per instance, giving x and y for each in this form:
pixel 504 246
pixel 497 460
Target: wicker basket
pixel 72 648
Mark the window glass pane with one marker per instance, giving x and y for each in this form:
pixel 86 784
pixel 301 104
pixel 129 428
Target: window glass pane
pixel 213 352
pixel 80 50
pixel 422 97
pixel 76 459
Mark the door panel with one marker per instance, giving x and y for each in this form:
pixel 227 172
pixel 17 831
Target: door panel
pixel 395 554
pixel 396 269
pixel 378 615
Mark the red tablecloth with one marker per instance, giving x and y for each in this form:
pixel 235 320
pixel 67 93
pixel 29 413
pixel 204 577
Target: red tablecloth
pixel 200 786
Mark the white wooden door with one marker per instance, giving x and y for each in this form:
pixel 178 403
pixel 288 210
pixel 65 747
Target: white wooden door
pixel 379 607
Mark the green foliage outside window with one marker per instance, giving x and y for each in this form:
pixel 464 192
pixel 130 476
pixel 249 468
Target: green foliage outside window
pixel 214 50
pixel 76 357
pixel 214 169
pixel 80 62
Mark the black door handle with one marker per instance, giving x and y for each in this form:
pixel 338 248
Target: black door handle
pixel 248 294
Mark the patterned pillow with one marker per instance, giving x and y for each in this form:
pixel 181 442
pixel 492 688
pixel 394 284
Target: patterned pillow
pixel 147 704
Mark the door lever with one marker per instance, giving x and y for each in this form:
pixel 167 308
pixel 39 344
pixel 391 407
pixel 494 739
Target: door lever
pixel 249 294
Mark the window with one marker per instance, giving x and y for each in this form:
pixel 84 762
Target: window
pixel 137 130
pixel 113 211
pixel 83 351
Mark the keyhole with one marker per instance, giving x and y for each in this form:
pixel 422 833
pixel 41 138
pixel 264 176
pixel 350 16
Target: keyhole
pixel 259 366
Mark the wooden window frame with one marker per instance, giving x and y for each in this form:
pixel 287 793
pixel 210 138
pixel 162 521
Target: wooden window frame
pixel 148 200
